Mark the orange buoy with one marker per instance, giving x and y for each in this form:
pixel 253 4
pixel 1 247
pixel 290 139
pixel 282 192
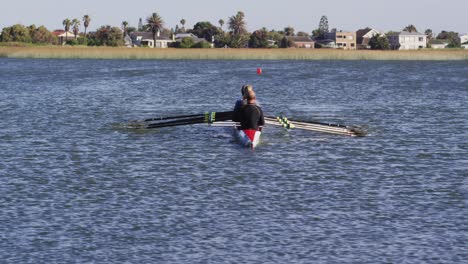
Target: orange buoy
pixel 259 71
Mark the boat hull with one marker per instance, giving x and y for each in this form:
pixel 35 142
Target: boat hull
pixel 248 137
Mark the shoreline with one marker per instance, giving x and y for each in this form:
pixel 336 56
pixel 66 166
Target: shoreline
pixel 53 52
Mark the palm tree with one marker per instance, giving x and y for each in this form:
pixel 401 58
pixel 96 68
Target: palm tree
pixel 237 24
pixel 182 21
pixel 124 26
pixel 76 26
pixel 66 23
pixel 86 21
pixel 221 23
pixel 155 23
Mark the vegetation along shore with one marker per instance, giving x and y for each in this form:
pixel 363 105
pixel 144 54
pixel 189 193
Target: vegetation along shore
pixel 58 52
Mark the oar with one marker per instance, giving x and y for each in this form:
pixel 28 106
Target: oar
pixel 208 117
pixel 311 122
pixel 218 114
pixel 316 126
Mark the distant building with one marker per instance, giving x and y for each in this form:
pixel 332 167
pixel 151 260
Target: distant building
pixel 145 39
pixel 180 36
pixel 343 40
pixel 64 36
pixel 463 38
pixel 439 43
pixel 407 40
pixel 302 42
pixel 363 37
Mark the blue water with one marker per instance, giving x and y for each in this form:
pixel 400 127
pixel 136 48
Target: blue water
pixel 76 186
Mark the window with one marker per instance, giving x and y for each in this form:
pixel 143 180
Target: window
pixel 421 39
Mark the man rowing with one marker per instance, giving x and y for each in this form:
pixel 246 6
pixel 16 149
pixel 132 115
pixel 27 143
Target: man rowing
pixel 250 115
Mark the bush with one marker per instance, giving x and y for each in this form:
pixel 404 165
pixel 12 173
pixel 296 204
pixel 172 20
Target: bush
pixel 72 42
pixel 186 43
pixel 202 45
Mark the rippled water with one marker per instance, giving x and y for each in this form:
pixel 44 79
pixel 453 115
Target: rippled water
pixel 76 186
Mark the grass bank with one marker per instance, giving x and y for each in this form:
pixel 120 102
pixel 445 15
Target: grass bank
pixel 56 52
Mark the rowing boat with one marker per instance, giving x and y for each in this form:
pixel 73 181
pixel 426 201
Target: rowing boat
pixel 247 137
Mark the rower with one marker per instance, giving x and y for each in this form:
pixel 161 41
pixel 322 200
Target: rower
pixel 249 115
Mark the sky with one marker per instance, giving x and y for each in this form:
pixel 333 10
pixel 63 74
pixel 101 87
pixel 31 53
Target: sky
pixel 302 15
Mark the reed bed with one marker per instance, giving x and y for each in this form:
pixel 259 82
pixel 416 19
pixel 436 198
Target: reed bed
pixel 54 52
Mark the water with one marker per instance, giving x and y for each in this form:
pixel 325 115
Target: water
pixel 77 187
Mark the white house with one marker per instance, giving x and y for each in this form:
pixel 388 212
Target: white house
pixel 407 40
pixel 64 36
pixel 464 40
pixel 146 39
pixel 439 43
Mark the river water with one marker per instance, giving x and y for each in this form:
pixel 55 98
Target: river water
pixel 76 186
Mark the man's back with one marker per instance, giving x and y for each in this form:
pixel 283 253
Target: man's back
pixel 250 116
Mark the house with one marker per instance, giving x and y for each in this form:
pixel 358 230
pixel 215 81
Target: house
pixel 343 40
pixel 464 40
pixel 363 37
pixel 407 40
pixel 439 43
pixel 180 36
pixel 145 39
pixel 302 42
pixel 64 36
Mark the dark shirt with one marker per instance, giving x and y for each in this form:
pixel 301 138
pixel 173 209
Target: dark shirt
pixel 239 104
pixel 250 116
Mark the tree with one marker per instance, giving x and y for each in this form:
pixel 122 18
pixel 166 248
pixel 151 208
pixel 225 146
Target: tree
pixel 239 41
pixel 155 23
pixel 379 42
pixel 289 31
pixel 86 21
pixel 186 43
pixel 410 28
pixel 428 32
pixel 41 35
pixel 76 26
pixel 131 29
pixel 108 36
pixel 202 45
pixel 237 24
pixel 221 23
pixel 124 27
pixel 16 33
pixel 276 37
pixel 323 25
pixel 452 37
pixel 302 34
pixel 67 24
pixel 286 42
pixel 182 22
pixel 205 30
pixel 259 39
